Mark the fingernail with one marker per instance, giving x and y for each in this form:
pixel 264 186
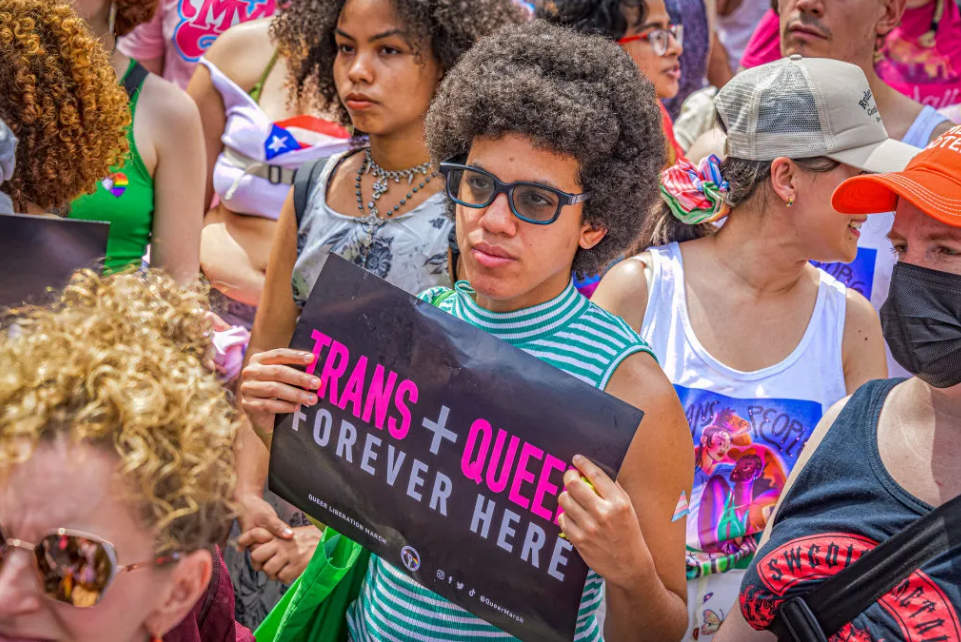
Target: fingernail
pixel 578 459
pixel 315 383
pixel 308 357
pixel 288 532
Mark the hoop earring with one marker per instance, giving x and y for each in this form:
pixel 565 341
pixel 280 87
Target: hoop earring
pixel 112 19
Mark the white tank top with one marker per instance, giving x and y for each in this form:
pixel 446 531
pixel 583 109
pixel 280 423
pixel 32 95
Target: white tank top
pixel 870 272
pixel 748 427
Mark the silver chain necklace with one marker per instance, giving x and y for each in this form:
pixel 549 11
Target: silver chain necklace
pixel 382 184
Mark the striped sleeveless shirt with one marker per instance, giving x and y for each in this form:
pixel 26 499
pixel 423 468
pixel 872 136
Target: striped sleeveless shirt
pixel 570 333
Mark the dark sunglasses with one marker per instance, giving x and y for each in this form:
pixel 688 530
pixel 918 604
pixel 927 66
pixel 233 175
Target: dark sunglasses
pixel 530 202
pixel 75 568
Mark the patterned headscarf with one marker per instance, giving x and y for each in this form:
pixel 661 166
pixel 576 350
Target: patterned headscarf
pixel 695 194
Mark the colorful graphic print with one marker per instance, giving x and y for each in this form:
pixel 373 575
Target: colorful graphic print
pixel 201 21
pixel 744 450
pixel 929 75
pixel 116 184
pixel 857 275
pixel 917 607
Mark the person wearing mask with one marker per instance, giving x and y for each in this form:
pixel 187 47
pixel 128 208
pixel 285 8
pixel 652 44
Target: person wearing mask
pixel 67 110
pixel 592 169
pixel 904 432
pixel 154 196
pixel 115 455
pixel 849 31
pixel 180 32
pixel 758 343
pixel 376 64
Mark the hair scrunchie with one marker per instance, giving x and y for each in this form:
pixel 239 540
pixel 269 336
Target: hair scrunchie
pixel 695 194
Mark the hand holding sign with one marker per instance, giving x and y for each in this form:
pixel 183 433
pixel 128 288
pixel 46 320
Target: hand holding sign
pixel 599 520
pixel 271 386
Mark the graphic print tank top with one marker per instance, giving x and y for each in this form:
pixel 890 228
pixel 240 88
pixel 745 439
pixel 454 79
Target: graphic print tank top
pixel 568 332
pixel 748 427
pixel 843 504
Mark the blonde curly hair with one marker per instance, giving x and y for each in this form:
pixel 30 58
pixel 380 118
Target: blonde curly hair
pixel 119 363
pixel 61 98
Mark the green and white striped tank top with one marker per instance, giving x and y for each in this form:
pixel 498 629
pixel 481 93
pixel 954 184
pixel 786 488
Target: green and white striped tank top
pixel 568 332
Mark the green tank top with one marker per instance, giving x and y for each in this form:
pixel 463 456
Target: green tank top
pixel 125 198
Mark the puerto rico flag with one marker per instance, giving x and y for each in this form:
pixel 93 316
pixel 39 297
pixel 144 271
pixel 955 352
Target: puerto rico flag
pixel 301 132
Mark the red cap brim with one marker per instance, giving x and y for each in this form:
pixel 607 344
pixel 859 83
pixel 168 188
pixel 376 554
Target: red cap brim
pixel 933 193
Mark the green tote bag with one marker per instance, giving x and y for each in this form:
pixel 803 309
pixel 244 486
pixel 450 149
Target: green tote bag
pixel 314 608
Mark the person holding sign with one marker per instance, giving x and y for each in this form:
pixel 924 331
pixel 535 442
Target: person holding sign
pixel 758 342
pixel 377 65
pixel 535 198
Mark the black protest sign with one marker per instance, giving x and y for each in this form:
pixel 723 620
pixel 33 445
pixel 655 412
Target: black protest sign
pixel 38 253
pixel 442 449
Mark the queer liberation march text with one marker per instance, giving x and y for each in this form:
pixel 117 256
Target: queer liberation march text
pixel 442 449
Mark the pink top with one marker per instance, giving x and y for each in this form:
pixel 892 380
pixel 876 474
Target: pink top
pixel 765 44
pixel 929 75
pixel 182 30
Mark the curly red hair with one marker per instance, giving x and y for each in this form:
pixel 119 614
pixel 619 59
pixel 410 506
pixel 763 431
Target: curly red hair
pixel 131 13
pixel 61 98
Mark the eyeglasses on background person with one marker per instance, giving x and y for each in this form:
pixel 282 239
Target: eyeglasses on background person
pixel 660 39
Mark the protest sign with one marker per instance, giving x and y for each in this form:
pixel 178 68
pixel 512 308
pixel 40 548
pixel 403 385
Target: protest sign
pixel 38 253
pixel 442 449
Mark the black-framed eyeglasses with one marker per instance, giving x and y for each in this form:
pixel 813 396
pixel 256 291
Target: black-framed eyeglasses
pixel 530 202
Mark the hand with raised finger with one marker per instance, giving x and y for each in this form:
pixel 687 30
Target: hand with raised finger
pixel 601 523
pixel 273 383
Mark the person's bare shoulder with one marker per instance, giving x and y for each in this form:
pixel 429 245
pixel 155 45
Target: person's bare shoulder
pixel 242 52
pixel 623 291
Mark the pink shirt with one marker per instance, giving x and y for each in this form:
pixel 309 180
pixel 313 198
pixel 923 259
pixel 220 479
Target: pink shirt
pixel 765 44
pixel 182 31
pixel 929 75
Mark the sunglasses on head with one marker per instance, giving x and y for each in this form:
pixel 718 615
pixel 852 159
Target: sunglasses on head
pixel 660 39
pixel 531 202
pixel 75 568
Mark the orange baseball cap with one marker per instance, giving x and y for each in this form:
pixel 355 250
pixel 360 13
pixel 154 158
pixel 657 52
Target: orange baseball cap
pixel 931 181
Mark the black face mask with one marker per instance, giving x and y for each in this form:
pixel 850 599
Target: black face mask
pixel 922 323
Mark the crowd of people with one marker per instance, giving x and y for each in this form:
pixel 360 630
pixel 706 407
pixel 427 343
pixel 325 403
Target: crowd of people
pixel 742 217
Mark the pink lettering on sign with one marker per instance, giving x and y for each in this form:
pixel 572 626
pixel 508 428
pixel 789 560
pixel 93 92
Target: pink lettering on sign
pixel 201 21
pixel 345 382
pixel 494 461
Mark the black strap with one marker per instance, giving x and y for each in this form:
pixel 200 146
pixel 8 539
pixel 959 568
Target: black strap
pixel 304 181
pixel 133 80
pixel 841 598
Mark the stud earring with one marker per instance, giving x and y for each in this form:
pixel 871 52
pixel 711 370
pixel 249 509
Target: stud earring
pixel 790 202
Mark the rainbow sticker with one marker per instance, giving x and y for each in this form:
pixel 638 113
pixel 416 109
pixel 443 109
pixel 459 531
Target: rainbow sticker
pixel 116 184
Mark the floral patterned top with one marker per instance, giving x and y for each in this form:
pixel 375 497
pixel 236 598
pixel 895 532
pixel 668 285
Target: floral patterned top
pixel 409 250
